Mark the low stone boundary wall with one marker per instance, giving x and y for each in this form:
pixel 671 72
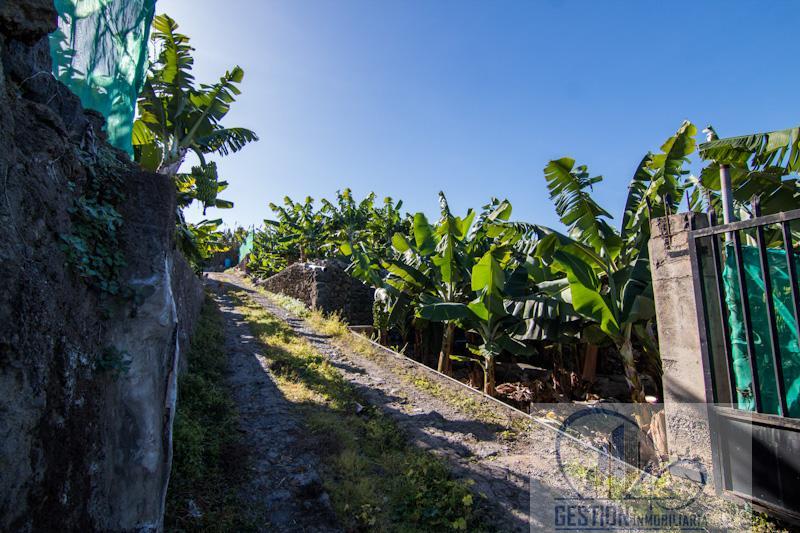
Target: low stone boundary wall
pixel 326 286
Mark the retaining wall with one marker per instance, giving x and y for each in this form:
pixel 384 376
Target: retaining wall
pixel 326 286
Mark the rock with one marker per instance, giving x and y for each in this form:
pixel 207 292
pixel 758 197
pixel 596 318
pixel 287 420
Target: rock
pixel 83 448
pixel 278 496
pixel 27 20
pixel 326 286
pixel 324 501
pixel 306 484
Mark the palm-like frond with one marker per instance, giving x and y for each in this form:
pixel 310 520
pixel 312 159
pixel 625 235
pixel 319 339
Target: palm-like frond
pixel 577 209
pixel 180 116
pixel 175 57
pixel 226 140
pixel 632 221
pixel 761 150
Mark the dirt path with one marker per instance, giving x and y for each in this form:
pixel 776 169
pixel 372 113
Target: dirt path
pixel 284 491
pixel 511 461
pixel 502 458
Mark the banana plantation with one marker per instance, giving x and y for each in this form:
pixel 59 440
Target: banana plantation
pixel 491 289
pixel 349 364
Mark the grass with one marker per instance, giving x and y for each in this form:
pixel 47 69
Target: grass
pixel 335 327
pixel 207 463
pixel 639 494
pixel 293 305
pixel 614 486
pixel 376 480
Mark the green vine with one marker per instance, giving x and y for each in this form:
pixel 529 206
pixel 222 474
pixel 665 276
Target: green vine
pixel 92 247
pixel 113 361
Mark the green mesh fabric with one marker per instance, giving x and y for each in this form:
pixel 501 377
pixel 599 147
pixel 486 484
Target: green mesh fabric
pixel 787 330
pixel 247 246
pixel 99 51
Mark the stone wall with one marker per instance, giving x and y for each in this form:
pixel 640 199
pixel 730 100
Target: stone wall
pixel 325 285
pixel 83 447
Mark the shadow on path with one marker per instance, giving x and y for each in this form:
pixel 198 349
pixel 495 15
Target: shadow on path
pixel 473 448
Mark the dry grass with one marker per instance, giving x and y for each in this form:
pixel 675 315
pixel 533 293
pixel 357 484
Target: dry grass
pixel 337 329
pixel 376 480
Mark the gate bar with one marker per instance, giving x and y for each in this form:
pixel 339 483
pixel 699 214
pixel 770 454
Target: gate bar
pixel 748 323
pixel 787 246
pixel 773 326
pixel 723 312
pixel 776 218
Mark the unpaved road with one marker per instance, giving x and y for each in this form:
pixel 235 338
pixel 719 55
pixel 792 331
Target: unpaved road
pixel 515 470
pixel 513 465
pixel 284 490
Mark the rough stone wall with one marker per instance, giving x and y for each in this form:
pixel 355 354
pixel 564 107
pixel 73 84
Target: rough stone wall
pixel 296 280
pixel 326 286
pixel 82 448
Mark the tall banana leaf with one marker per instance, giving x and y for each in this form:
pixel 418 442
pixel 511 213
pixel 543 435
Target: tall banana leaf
pixel 614 293
pixel 569 188
pixel 757 165
pixel 758 151
pixel 175 116
pixel 486 314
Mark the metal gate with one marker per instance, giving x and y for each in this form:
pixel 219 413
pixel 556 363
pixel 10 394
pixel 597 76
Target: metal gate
pixel 745 276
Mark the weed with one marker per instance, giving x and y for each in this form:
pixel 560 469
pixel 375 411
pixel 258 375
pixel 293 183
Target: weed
pixel 207 463
pixel 293 305
pixel 376 480
pixel 92 246
pixel 333 326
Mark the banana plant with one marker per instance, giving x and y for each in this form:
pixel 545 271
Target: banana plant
pixel 487 314
pixel 433 264
pixel 176 116
pixel 383 223
pixel 203 185
pixel 301 229
pixel 758 165
pixel 607 272
pixel 347 220
pixel 268 255
pixel 199 241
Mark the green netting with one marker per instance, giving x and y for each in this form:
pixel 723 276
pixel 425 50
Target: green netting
pixel 247 246
pixel 787 330
pixel 99 51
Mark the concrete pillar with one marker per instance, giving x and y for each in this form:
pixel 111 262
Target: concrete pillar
pixel 685 378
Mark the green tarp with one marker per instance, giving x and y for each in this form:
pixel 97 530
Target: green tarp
pixel 247 246
pixel 786 325
pixel 99 51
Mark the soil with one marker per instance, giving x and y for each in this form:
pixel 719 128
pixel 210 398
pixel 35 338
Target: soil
pixel 283 491
pixel 511 464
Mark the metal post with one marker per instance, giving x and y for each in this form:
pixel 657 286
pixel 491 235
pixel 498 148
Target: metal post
pixel 727 194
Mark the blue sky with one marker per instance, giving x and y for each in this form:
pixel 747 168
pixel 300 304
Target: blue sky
pixel 406 98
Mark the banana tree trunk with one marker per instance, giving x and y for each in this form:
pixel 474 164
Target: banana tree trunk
pixel 417 343
pixel 488 374
pixel 171 166
pixel 447 348
pixel 631 374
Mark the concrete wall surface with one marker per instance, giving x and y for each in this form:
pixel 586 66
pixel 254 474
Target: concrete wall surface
pixel 685 378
